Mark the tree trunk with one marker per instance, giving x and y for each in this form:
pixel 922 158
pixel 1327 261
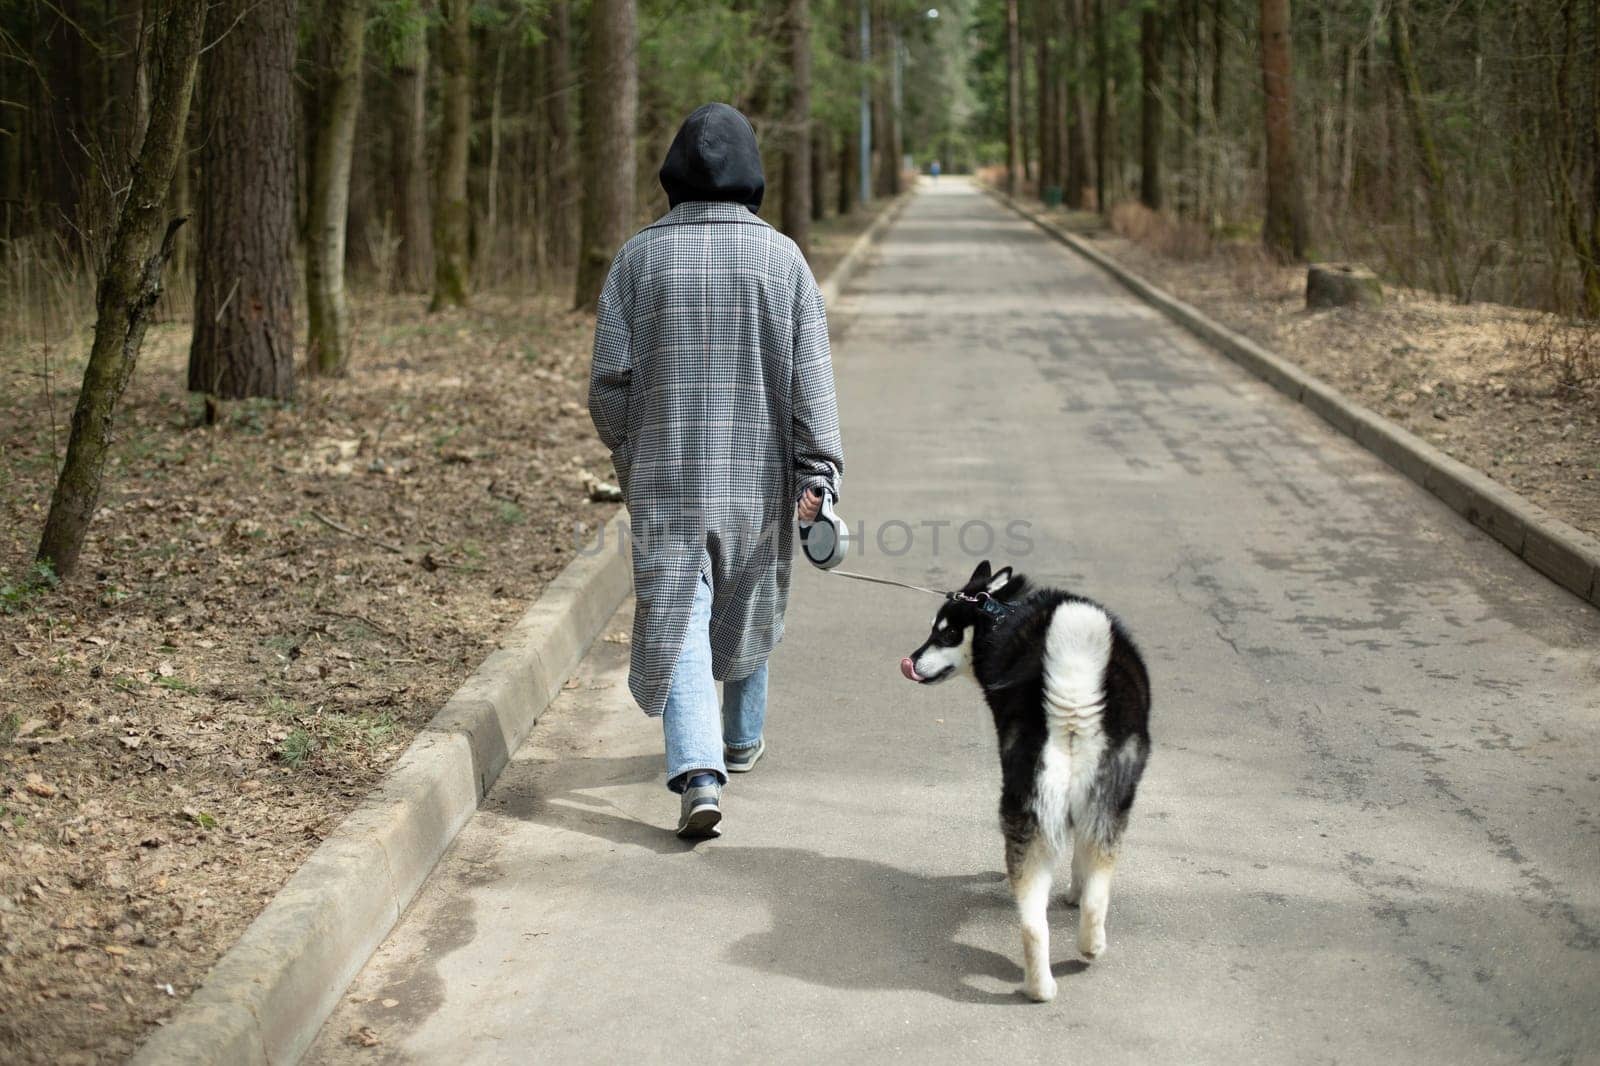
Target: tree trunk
pixel 180 204
pixel 451 218
pixel 1102 111
pixel 894 141
pixel 1014 159
pixel 1193 166
pixel 796 177
pixel 1439 211
pixel 819 173
pixel 244 295
pixel 491 195
pixel 369 159
pixel 1591 266
pixel 1180 173
pixel 610 111
pixel 556 159
pixel 1219 46
pixel 344 24
pixel 1347 130
pixel 130 282
pixel 882 102
pixel 1219 42
pixel 131 101
pixel 1077 121
pixel 1115 182
pixel 1150 57
pixel 410 77
pixel 1375 170
pixel 849 170
pixel 529 158
pixel 866 111
pixel 1059 78
pixel 1284 231
pixel 1323 120
pixel 1026 109
pixel 1043 92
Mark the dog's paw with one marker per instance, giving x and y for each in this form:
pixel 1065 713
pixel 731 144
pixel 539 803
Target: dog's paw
pixel 1091 942
pixel 1072 896
pixel 1042 991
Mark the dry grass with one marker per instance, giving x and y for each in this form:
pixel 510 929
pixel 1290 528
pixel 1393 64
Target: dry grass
pixel 1565 349
pixel 1179 239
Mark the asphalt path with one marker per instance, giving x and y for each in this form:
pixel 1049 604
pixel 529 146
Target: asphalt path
pixel 1368 830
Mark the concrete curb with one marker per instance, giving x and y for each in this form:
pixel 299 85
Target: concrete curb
pixel 1567 556
pixel 264 1001
pixel 856 257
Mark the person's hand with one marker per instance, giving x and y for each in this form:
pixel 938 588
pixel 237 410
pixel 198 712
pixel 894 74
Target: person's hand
pixel 810 504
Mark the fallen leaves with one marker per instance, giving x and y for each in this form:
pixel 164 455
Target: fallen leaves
pixel 36 785
pixel 217 617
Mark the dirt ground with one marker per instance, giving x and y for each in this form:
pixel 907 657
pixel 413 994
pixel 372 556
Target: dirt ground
pixel 1484 383
pixel 267 611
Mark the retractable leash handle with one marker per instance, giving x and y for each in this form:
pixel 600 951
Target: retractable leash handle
pixel 826 539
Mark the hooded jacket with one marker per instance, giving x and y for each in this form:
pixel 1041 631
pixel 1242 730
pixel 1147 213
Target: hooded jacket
pixel 712 384
pixel 714 157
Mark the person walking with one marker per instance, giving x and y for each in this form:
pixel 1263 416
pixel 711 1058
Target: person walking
pixel 712 384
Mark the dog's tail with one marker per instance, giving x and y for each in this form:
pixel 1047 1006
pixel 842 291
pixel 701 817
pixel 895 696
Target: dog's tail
pixel 1077 648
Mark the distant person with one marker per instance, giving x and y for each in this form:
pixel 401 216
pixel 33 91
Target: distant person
pixel 712 385
pixel 933 168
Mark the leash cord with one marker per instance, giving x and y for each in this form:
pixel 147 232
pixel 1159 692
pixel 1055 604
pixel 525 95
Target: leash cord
pixel 885 581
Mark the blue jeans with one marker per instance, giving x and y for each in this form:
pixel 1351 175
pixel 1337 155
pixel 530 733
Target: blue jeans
pixel 696 728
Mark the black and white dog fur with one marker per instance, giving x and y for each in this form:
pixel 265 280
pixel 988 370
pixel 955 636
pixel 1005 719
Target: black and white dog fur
pixel 1071 705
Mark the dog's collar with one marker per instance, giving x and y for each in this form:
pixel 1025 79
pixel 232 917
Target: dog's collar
pixel 990 606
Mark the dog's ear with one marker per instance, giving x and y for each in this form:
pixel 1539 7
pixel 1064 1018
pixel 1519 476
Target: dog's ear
pixel 999 580
pixel 979 576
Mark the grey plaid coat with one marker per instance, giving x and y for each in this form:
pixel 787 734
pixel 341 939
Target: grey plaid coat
pixel 712 385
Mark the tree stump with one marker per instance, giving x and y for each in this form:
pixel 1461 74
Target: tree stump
pixel 1342 285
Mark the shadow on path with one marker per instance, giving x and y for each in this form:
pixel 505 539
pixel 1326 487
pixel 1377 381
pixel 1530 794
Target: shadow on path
pixel 837 921
pixel 860 924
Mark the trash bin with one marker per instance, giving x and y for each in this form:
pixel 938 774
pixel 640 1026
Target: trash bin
pixel 1051 196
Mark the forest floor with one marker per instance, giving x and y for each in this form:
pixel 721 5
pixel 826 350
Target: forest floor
pixel 267 611
pixel 1484 383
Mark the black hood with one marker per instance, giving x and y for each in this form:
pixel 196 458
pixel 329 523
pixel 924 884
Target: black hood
pixel 714 157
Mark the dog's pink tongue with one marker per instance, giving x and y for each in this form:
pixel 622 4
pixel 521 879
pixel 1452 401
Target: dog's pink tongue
pixel 909 670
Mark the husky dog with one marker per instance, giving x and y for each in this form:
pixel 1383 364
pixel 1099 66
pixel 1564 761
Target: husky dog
pixel 1071 704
